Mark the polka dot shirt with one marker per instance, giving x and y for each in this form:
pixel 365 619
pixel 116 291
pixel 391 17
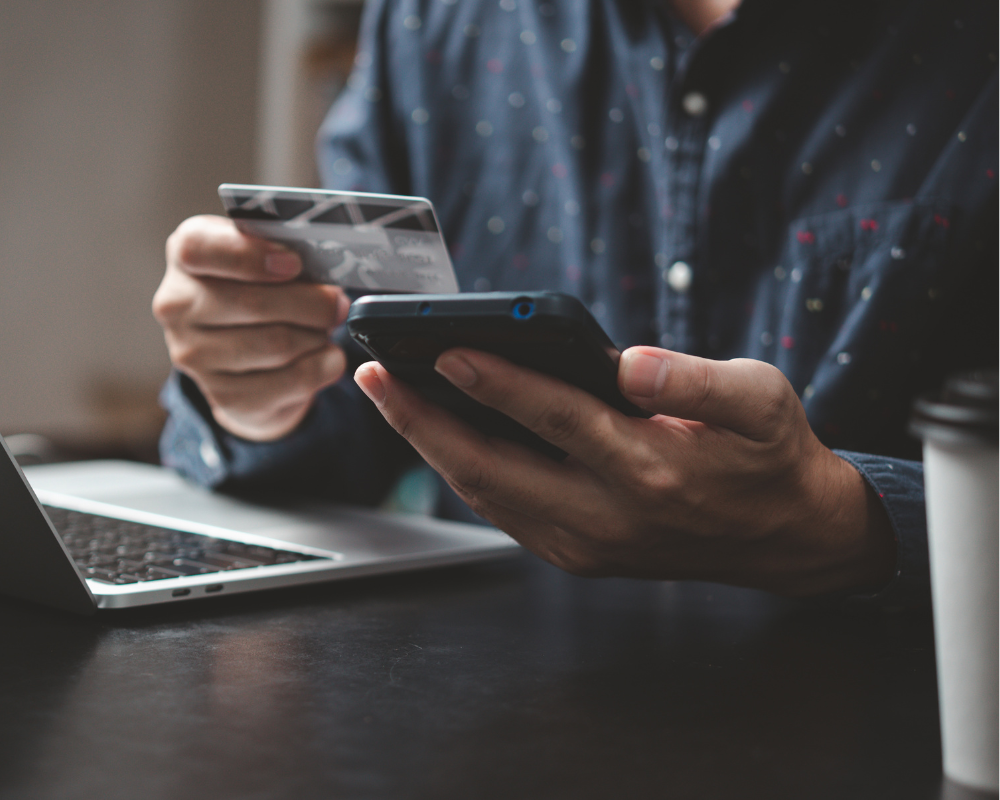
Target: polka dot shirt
pixel 809 184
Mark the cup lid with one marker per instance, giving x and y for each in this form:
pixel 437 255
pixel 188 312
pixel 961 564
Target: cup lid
pixel 965 410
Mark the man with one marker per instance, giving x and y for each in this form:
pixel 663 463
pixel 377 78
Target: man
pixel 788 210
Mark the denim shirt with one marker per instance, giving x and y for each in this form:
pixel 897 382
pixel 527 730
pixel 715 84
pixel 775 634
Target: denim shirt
pixel 807 184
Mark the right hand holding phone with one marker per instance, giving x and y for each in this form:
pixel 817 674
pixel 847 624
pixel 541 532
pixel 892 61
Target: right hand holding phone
pixel 255 340
pixel 726 481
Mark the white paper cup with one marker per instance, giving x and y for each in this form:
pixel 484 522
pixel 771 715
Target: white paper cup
pixel 961 481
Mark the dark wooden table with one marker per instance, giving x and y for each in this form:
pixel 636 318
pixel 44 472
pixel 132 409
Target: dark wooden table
pixel 508 680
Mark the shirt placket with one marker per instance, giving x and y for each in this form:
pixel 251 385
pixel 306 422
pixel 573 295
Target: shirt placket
pixel 686 129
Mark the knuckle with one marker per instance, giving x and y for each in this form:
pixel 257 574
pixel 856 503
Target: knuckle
pixel 178 240
pixel 475 477
pixel 657 484
pixel 560 422
pixel 304 378
pixel 168 304
pixel 403 423
pixel 184 245
pixel 331 305
pixel 704 388
pixel 325 367
pixel 184 356
pixel 200 241
pixel 777 398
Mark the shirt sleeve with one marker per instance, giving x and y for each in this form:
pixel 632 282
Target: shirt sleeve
pixel 899 484
pixel 342 450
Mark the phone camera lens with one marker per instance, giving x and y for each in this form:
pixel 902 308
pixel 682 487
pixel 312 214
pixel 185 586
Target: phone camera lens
pixel 424 308
pixel 522 308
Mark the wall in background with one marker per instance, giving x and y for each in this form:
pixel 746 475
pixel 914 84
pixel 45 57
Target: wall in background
pixel 117 120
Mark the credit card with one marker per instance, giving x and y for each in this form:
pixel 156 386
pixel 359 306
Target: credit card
pixel 369 242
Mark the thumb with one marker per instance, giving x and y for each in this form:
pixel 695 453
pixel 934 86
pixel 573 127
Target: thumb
pixel 747 396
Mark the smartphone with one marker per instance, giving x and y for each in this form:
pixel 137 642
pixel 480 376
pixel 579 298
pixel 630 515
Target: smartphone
pixel 549 332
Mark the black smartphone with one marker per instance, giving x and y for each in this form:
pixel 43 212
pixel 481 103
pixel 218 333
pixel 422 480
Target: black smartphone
pixel 548 332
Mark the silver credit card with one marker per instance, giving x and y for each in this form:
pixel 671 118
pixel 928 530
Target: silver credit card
pixel 371 242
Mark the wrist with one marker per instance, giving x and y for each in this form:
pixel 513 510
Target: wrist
pixel 855 545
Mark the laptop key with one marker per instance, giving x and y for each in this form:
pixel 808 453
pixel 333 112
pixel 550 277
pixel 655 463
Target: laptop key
pixel 225 561
pixel 192 567
pixel 98 560
pixel 161 573
pixel 157 559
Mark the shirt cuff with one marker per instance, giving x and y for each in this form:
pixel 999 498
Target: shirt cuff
pixel 190 443
pixel 339 451
pixel 899 484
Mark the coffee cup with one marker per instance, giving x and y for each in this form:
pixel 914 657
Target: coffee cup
pixel 959 432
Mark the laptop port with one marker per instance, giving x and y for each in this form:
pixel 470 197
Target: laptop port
pixel 180 592
pixel 215 587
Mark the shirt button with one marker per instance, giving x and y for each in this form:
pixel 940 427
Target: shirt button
pixel 679 276
pixel 209 454
pixel 695 103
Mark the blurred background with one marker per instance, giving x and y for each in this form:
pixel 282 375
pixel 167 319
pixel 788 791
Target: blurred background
pixel 118 119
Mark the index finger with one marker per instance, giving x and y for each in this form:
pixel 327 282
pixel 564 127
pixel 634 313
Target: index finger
pixel 568 417
pixel 485 469
pixel 213 247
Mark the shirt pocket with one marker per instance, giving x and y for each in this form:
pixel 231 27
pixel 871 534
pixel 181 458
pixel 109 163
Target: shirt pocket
pixel 849 294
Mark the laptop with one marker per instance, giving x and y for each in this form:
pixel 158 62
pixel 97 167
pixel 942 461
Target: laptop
pixel 115 534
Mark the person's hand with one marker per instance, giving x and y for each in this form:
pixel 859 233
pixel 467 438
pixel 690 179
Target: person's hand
pixel 727 483
pixel 254 340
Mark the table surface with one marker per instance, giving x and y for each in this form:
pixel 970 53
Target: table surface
pixel 501 680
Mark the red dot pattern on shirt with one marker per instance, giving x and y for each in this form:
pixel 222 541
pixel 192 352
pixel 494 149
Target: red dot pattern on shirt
pixel 607 180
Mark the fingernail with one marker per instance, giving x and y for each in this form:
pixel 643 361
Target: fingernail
pixel 282 264
pixel 457 370
pixel 370 384
pixel 643 375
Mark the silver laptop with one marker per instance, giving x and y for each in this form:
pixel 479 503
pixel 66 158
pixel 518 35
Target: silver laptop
pixel 115 534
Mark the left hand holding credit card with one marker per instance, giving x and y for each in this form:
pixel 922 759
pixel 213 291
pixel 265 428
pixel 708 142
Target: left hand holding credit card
pixel 239 323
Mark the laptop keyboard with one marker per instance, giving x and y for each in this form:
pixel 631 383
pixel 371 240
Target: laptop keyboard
pixel 118 551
